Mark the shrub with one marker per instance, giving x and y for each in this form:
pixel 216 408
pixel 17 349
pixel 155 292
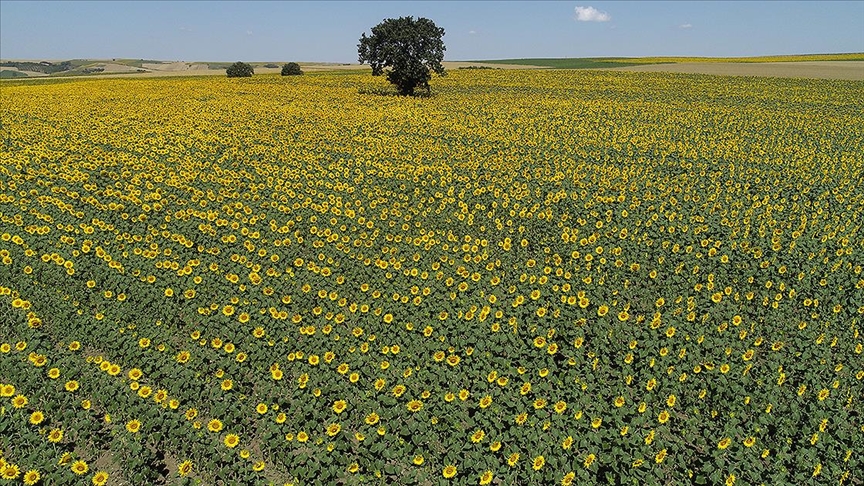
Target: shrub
pixel 240 70
pixel 291 69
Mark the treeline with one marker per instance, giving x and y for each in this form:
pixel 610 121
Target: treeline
pixel 39 67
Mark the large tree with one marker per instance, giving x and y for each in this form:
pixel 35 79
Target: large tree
pixel 409 48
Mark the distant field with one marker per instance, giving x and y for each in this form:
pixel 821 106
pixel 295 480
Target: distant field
pixel 854 56
pixel 8 74
pixel 849 70
pixel 824 66
pixel 568 63
pixel 602 62
pixel 821 66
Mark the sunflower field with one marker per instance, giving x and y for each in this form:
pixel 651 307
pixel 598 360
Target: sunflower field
pixel 529 278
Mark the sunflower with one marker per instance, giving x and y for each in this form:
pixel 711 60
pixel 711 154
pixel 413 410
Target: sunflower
pixel 660 456
pixel 538 463
pixel 20 401
pixel 414 405
pixel 133 426
pixel 55 436
pixel 333 429
pixel 560 407
pixel 449 471
pixel 100 478
pixel 486 477
pixel 478 436
pixel 9 472
pixel 512 459
pixel 214 425
pixel 485 401
pixel 663 417
pixel 32 477
pixel 302 436
pixel 37 417
pixel 66 458
pixel 724 443
pixel 80 467
pixel 184 468
pixel 231 441
pixel 339 406
pixel 372 418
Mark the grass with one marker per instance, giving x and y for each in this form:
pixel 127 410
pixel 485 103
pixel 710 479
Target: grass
pixel 9 74
pixel 568 63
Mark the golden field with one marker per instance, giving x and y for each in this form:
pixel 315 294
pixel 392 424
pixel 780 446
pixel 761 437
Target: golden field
pixel 531 277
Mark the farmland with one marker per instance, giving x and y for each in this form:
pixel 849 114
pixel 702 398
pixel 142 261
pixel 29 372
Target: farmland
pixel 530 277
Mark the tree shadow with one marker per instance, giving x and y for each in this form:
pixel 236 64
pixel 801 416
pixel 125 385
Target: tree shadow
pixel 387 92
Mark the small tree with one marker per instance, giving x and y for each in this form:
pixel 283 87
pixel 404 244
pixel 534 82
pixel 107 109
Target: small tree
pixel 291 69
pixel 410 48
pixel 240 70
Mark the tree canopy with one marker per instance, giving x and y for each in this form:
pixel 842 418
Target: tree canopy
pixel 411 49
pixel 291 69
pixel 240 70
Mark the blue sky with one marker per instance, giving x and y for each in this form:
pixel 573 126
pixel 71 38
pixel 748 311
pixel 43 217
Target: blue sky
pixel 329 31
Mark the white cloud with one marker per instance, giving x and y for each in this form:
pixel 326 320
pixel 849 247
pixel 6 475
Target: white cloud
pixel 472 32
pixel 686 26
pixel 591 14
